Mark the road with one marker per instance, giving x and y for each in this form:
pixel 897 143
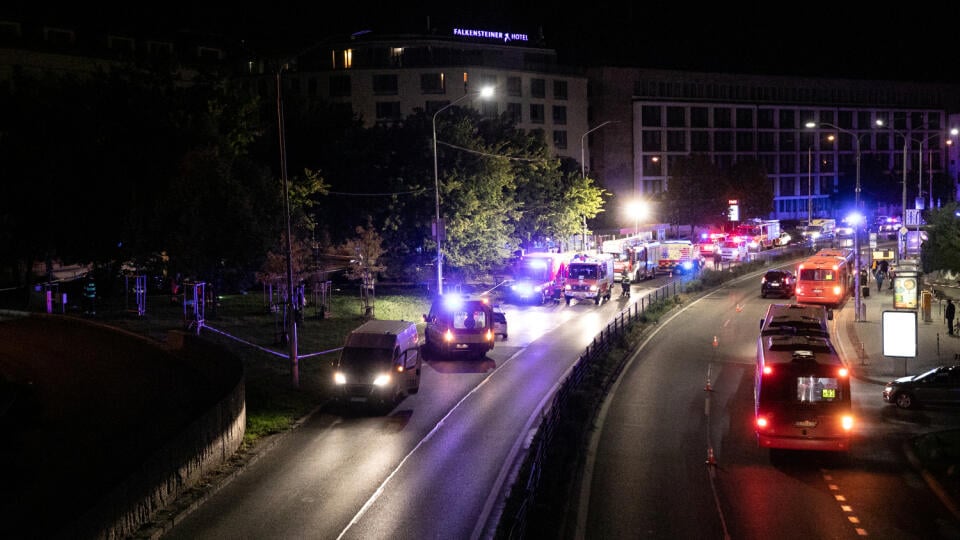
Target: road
pixel 436 466
pixel 676 457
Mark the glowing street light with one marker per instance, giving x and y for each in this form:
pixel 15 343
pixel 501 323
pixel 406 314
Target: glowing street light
pixel 638 210
pixel 485 92
pixel 856 227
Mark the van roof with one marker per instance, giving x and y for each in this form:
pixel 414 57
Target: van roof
pixel 378 334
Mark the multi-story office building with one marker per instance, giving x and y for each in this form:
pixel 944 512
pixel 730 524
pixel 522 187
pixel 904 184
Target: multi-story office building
pixel 385 78
pixel 627 126
pixel 736 117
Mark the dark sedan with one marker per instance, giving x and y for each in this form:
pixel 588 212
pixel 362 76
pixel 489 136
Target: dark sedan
pixel 778 283
pixel 938 386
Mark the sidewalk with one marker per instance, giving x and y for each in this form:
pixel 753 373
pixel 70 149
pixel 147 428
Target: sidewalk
pixel 935 455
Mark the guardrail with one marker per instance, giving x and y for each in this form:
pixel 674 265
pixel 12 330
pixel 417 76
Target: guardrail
pixel 530 472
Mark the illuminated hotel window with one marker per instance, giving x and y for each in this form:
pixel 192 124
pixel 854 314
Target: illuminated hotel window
pixel 347 60
pixel 396 56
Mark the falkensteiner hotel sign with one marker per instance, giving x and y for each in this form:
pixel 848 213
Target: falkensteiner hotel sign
pixel 489 34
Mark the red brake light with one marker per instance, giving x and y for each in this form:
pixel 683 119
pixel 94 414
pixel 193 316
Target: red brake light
pixel 843 372
pixel 767 370
pixel 762 422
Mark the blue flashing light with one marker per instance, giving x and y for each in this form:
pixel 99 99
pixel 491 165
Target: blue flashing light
pixel 687 265
pixel 452 301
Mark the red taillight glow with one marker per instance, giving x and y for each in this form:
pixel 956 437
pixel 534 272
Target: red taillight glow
pixel 843 372
pixel 762 422
pixel 837 290
pixel 847 422
pixel 767 370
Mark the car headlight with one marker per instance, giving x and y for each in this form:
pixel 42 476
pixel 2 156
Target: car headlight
pixel 382 379
pixel 339 378
pixel 887 389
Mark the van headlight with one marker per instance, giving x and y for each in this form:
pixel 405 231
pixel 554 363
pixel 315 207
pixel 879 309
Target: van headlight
pixel 339 377
pixel 382 379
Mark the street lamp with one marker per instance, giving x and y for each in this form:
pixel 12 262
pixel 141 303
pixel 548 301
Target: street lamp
pixel 809 184
pixel 906 142
pixel 637 210
pixel 856 230
pixel 484 92
pixel 583 166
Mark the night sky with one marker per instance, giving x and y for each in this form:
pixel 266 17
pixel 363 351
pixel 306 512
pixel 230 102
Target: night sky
pixel 917 40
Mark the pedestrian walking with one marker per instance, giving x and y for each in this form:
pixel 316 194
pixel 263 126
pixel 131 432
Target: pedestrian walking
pixel 949 313
pixel 879 277
pixel 717 257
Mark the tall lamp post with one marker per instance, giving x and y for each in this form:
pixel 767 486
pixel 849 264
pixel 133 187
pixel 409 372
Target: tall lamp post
pixel 637 210
pixel 485 92
pixel 856 230
pixel 906 143
pixel 291 304
pixel 809 184
pixel 583 165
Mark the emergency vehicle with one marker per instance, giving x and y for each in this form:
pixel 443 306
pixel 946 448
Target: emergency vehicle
pixel 634 255
pixel 460 324
pixel 710 242
pixel 760 234
pixel 535 275
pixel 589 278
pixel 679 257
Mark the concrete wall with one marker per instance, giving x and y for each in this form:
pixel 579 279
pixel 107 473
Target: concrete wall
pixel 206 444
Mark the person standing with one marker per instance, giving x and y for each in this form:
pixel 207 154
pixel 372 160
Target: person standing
pixel 949 313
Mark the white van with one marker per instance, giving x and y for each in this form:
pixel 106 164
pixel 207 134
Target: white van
pixel 379 363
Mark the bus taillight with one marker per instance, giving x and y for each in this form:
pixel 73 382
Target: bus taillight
pixel 847 422
pixel 762 422
pixel 843 372
pixel 448 336
pixel 767 370
pixel 837 290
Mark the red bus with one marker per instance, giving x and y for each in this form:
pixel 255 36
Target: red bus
pixel 825 278
pixel 802 397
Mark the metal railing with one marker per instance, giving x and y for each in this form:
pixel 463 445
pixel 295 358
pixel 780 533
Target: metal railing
pixel 602 343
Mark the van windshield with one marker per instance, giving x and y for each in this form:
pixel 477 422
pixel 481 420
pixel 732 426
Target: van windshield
pixel 583 271
pixel 358 355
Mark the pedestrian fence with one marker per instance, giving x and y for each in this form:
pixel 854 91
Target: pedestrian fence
pixel 551 417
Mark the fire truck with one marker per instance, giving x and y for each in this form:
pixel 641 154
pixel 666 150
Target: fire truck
pixel 634 255
pixel 760 234
pixel 589 277
pixel 535 276
pixel 679 257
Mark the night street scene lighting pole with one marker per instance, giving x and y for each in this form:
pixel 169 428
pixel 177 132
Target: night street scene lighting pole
pixel 856 228
pixel 583 157
pixel 902 243
pixel 484 92
pixel 291 306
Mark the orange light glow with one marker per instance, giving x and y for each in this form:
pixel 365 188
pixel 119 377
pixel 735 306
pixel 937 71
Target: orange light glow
pixel 844 372
pixel 448 336
pixel 847 422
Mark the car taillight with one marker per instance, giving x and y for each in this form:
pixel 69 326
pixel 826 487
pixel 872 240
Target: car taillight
pixel 448 336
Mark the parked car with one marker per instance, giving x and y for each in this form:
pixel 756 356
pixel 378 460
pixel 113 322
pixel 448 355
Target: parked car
pixel 778 283
pixel 938 386
pixel 499 323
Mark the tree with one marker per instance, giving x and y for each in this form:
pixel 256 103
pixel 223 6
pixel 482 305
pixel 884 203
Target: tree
pixel 941 251
pixel 748 183
pixel 696 193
